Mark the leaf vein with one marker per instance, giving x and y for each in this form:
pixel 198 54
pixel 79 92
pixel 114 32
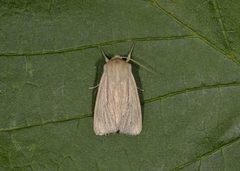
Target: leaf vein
pixel 45 123
pixel 161 97
pixel 228 55
pixel 207 154
pixel 192 89
pixel 89 46
pixel 221 23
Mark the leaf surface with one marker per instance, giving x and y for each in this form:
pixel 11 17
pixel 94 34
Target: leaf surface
pixel 49 57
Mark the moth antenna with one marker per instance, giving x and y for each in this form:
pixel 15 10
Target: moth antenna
pixel 104 54
pixel 130 53
pixel 141 65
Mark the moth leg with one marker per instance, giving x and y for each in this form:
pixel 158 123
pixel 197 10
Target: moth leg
pixel 90 88
pixel 140 89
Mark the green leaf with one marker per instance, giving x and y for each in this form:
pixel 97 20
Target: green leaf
pixel 49 57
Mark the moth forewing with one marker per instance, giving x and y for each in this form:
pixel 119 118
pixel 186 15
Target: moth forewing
pixel 117 107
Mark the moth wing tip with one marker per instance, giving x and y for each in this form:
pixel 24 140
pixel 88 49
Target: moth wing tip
pixel 132 132
pixel 99 133
pixel 104 132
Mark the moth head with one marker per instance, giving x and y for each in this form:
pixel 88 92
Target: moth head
pixel 116 57
pixel 128 58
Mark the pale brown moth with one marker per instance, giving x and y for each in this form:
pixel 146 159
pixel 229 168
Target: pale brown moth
pixel 117 107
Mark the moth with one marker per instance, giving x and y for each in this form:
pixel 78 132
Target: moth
pixel 117 106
